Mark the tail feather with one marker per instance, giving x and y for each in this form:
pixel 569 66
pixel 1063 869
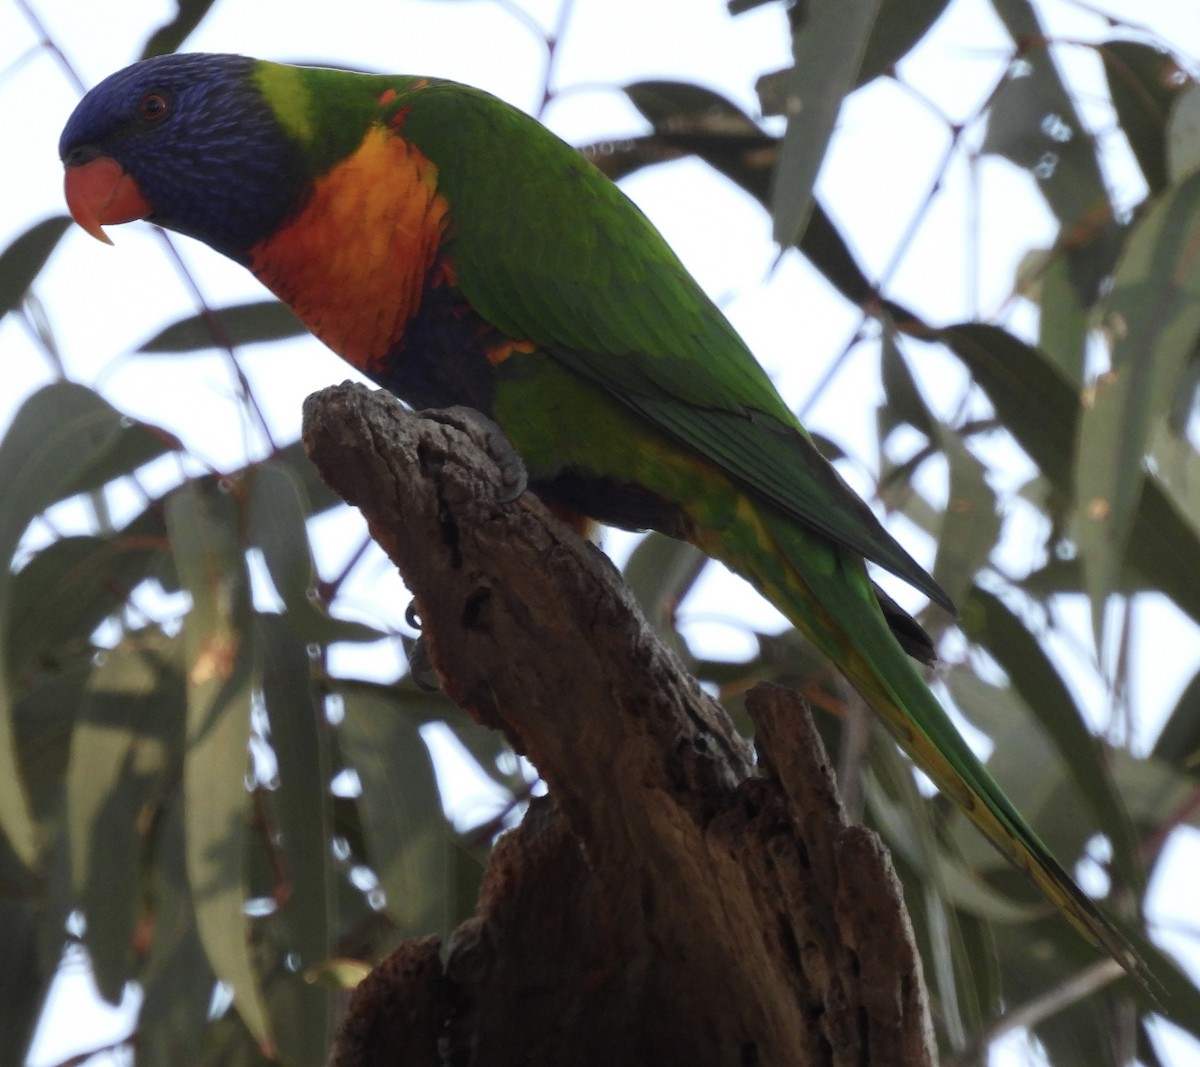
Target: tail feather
pixel 827 595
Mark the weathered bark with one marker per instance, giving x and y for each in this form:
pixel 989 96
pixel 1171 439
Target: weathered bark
pixel 669 902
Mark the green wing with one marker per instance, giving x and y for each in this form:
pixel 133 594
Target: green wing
pixel 548 250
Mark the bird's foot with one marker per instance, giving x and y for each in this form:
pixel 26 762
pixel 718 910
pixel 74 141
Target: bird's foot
pixel 514 479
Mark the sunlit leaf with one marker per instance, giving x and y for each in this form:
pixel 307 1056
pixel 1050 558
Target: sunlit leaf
pixel 204 526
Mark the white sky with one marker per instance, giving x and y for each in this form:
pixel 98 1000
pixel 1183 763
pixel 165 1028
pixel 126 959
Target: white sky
pixel 103 301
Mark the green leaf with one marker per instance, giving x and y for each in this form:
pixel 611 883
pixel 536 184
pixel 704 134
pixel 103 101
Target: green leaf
pixel 1034 123
pixel 204 524
pixel 243 324
pixel 301 803
pixel 660 573
pixel 53 439
pixel 64 592
pixel 1030 396
pixel 827 48
pixel 904 403
pixel 971 525
pixel 171 35
pixel 23 982
pixel 23 260
pixel 1144 82
pixel 1179 741
pixel 1183 134
pixel 177 979
pixel 1153 317
pixel 128 742
pixel 408 838
pixel 898 29
pixel 1062 321
pixel 688 119
pixel 277 525
pixel 319 496
pixel 1041 410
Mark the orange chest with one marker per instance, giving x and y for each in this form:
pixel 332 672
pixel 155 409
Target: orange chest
pixel 354 262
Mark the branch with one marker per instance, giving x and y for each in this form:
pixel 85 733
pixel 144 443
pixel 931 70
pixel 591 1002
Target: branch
pixel 666 903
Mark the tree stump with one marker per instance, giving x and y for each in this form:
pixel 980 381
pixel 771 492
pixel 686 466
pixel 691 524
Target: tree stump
pixel 672 900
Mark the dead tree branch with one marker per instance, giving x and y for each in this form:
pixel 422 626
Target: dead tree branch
pixel 670 902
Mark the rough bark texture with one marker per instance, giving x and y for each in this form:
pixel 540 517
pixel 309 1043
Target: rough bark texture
pixel 669 902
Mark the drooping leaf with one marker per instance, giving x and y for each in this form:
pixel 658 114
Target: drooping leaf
pixel 23 981
pixel 57 435
pixel 660 572
pixel 971 526
pixel 204 526
pixel 277 517
pixel 691 120
pixel 1183 134
pixel 170 35
pixel 1144 82
pixel 64 592
pixel 126 746
pixel 177 978
pixel 1041 410
pixel 1034 123
pixel 408 839
pixel 242 324
pixel 1062 322
pixel 828 44
pixel 23 260
pixel 904 404
pixel 898 28
pixel 307 918
pixel 1153 316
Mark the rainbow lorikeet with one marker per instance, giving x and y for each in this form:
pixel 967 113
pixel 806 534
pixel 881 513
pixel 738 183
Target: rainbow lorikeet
pixel 458 253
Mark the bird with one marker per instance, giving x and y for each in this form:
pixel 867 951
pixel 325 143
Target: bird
pixel 459 254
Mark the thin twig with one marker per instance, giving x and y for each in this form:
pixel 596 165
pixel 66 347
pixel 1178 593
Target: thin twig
pixel 1026 1016
pixel 51 45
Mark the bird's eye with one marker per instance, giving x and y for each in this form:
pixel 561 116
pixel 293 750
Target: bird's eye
pixel 153 107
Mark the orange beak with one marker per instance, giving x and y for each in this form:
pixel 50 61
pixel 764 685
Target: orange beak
pixel 100 193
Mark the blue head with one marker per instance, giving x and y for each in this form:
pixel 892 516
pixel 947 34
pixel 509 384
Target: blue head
pixel 187 141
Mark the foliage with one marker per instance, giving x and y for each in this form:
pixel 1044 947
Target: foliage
pixel 170 725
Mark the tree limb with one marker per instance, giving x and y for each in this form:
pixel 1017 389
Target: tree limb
pixel 668 902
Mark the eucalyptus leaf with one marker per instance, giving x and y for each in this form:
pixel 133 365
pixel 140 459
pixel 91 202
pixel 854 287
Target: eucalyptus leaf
pixel 204 526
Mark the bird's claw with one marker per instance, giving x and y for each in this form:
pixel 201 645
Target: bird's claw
pixel 486 432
